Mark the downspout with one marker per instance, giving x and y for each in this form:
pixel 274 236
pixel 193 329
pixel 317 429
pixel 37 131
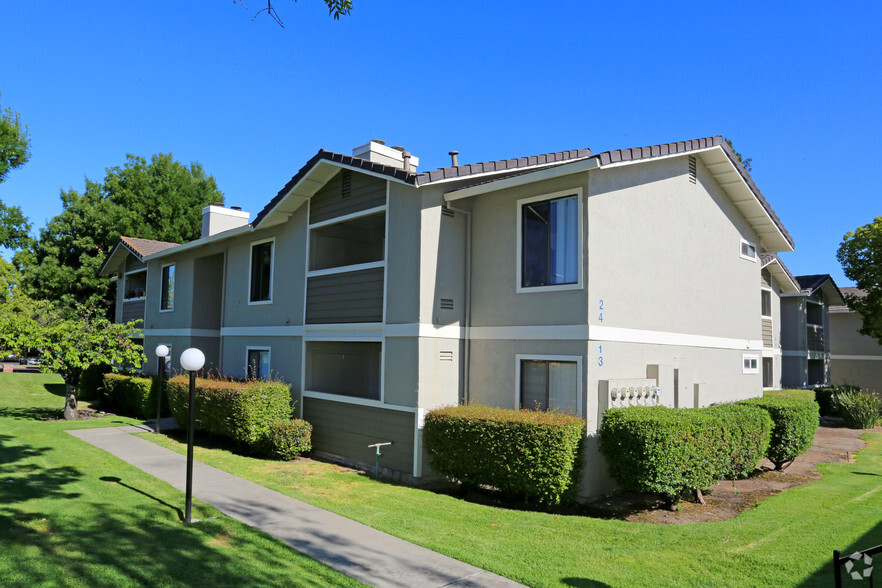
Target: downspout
pixel 467 319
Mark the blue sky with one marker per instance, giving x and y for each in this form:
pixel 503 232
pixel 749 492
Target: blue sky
pixel 796 87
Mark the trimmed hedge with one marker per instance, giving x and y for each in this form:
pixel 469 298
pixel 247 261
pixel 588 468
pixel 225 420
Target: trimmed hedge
pixel 92 381
pixel 672 451
pixel 745 438
pixel 795 424
pixel 526 454
pixel 286 440
pixel 858 410
pixel 240 411
pixel 130 395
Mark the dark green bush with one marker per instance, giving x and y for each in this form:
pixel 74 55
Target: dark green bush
pixel 795 424
pixel 526 454
pixel 672 451
pixel 825 397
pixel 287 439
pixel 240 411
pixel 745 436
pixel 130 395
pixel 858 410
pixel 91 381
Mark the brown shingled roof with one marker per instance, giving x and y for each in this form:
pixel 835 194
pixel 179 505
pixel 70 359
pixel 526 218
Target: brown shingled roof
pixel 144 247
pixel 512 165
pixel 323 155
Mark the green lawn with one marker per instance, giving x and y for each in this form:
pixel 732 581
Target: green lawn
pixel 61 524
pixel 787 540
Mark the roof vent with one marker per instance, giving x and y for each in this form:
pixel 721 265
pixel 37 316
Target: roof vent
pixel 453 161
pixel 378 152
pixel 692 169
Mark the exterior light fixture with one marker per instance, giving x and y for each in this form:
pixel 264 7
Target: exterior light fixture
pixel 161 354
pixel 192 361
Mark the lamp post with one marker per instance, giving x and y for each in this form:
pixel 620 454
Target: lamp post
pixel 161 354
pixel 192 360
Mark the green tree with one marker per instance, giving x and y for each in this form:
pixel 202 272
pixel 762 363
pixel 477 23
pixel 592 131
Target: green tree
pixel 160 200
pixel 336 8
pixel 745 161
pixel 69 340
pixel 860 254
pixel 15 150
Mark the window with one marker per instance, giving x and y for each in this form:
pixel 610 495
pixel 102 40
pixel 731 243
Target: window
pixel 135 285
pixel 550 384
pixel 261 289
pixel 766 296
pixel 344 367
pixel 167 297
pixel 351 242
pixel 549 241
pixel 258 363
pixel 748 250
pixel 750 364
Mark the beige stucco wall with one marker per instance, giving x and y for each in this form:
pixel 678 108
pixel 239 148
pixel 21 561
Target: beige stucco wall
pixel 856 359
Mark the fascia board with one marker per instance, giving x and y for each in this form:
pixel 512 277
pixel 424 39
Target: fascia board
pixel 520 180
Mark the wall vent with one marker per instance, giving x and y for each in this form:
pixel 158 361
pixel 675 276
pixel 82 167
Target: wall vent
pixel 447 303
pixel 447 212
pixel 347 183
pixel 445 356
pixel 692 169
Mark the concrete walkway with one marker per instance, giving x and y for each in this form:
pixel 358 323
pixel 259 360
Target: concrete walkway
pixel 357 550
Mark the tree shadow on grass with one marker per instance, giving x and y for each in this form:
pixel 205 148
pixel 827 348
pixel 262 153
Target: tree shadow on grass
pixel 31 413
pixel 56 389
pixel 57 525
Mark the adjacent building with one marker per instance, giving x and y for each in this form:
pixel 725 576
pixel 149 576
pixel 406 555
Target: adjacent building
pixel 570 280
pixel 855 359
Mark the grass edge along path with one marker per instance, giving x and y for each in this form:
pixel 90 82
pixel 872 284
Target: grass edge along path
pixel 74 515
pixel 786 541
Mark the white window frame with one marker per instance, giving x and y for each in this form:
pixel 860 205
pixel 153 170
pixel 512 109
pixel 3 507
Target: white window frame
pixel 125 284
pixel 749 244
pixel 563 358
pixel 341 219
pixel 580 247
pixel 769 290
pixel 269 351
pixel 271 240
pixel 753 358
pixel 162 288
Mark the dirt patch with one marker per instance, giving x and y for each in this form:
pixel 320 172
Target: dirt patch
pixel 833 443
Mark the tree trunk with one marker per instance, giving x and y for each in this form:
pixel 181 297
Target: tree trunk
pixel 70 404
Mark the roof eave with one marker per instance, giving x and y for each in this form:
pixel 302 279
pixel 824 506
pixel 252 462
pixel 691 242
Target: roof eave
pixel 116 257
pixel 782 276
pixel 545 173
pixel 200 242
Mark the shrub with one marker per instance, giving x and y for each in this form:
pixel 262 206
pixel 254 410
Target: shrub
pixel 671 451
pixel 527 454
pixel 287 439
pixel 745 436
pixel 858 410
pixel 91 381
pixel 795 424
pixel 825 397
pixel 240 411
pixel 130 395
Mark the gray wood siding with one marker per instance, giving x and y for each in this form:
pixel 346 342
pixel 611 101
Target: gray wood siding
pixel 133 311
pixel 768 341
pixel 365 192
pixel 346 430
pixel 351 297
pixel 133 263
pixel 765 279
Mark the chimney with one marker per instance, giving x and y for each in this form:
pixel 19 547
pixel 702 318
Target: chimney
pixel 378 152
pixel 217 219
pixel 453 155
